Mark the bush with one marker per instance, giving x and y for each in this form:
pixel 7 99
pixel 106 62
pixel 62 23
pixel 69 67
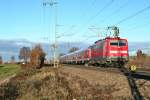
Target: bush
pixel 8 91
pixel 37 57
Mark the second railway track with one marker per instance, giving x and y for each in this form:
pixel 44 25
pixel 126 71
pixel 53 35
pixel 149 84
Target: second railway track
pixel 104 69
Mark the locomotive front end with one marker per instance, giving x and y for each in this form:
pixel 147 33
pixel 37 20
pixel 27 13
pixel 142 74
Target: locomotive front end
pixel 118 51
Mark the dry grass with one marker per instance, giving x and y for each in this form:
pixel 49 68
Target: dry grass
pixel 144 88
pixel 141 63
pixel 10 90
pixel 104 79
pixel 53 84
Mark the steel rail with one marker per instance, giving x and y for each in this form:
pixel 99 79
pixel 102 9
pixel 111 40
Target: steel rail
pixel 134 89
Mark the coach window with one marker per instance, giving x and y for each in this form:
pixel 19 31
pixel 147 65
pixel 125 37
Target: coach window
pixel 100 45
pixel 95 47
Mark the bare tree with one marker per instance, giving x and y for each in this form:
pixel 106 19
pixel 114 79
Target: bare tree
pixel 61 54
pixel 140 54
pixel 12 59
pixel 1 60
pixel 73 49
pixel 24 53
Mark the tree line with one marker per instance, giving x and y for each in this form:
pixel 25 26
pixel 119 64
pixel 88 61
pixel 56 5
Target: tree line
pixel 33 57
pixel 12 59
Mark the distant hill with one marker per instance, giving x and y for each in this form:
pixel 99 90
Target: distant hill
pixel 138 45
pixel 12 47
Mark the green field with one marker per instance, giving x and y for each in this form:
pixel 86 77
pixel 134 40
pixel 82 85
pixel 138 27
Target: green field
pixel 8 70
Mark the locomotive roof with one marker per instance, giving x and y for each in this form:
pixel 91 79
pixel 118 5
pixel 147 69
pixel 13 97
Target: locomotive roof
pixel 107 38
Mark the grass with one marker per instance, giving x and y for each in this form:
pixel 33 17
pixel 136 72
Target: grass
pixel 8 70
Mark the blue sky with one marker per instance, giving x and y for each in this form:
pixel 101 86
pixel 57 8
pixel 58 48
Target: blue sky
pixel 78 20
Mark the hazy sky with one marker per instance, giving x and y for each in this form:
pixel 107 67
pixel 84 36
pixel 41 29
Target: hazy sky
pixel 78 20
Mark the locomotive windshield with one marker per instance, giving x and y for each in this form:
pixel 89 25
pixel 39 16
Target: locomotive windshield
pixel 118 43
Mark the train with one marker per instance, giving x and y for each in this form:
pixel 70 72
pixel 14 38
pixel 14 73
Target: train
pixel 110 51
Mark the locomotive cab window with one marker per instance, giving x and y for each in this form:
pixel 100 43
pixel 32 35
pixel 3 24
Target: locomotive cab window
pixel 122 43
pixel 114 43
pixel 118 43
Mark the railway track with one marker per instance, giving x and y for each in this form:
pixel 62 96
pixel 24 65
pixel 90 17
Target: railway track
pixel 122 70
pixel 141 75
pixel 134 90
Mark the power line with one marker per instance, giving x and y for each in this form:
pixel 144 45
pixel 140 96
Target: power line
pixel 98 13
pixel 97 35
pixel 44 20
pixel 93 17
pixel 67 31
pixel 83 14
pixel 139 26
pixel 87 10
pixel 121 7
pixel 131 16
pixel 116 11
pixel 101 32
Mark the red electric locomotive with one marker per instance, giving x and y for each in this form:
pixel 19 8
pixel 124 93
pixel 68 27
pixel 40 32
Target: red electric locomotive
pixel 109 51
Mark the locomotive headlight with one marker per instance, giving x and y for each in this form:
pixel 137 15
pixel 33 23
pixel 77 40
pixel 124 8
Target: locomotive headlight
pixel 113 52
pixel 111 55
pixel 123 51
